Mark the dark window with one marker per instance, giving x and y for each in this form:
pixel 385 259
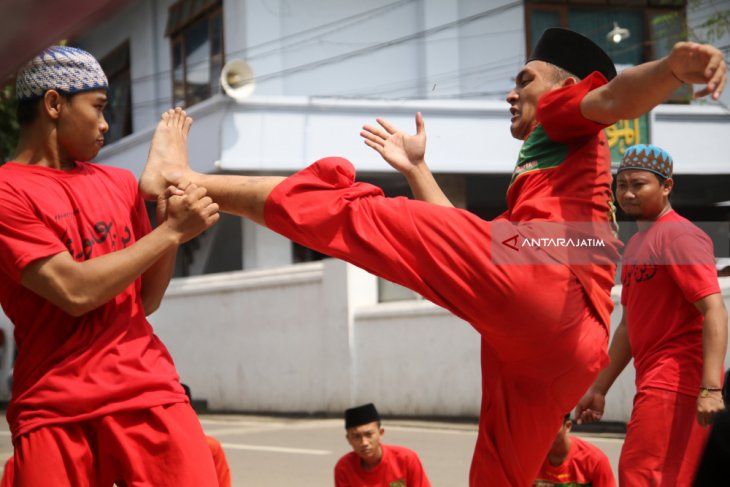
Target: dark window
pixel 655 26
pixel 195 28
pixel 118 112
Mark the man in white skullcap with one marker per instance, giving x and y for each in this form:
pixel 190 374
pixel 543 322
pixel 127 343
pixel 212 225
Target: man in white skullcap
pixel 96 397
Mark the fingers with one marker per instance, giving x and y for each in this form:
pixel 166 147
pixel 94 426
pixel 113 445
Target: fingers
pixel 702 64
pixel 420 126
pixel 374 135
pixel 378 147
pixel 172 191
pixel 387 126
pixel 589 416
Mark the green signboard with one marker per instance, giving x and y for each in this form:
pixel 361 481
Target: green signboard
pixel 625 133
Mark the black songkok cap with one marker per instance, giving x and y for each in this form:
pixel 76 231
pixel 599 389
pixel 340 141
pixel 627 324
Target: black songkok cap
pixel 573 52
pixel 361 415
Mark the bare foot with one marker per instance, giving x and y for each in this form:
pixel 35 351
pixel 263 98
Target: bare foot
pixel 167 162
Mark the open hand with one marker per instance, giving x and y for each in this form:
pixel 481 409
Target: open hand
pixel 402 151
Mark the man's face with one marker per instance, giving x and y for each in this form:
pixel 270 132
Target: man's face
pixel 365 441
pixel 81 125
pixel 640 194
pixel 534 80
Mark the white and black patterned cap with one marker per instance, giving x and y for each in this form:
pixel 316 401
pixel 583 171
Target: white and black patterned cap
pixel 66 69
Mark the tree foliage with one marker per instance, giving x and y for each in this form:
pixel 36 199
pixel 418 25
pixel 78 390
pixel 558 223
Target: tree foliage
pixel 715 26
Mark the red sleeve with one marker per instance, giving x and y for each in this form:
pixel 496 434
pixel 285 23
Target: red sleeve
pixel 558 111
pixel 441 253
pixel 416 475
pixel 691 265
pixel 221 463
pixel 24 237
pixel 341 474
pixel 603 474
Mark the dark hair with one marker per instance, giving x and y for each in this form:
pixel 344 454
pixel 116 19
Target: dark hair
pixel 566 418
pixel 27 110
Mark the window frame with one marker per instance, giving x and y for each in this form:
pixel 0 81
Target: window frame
pixel 647 10
pixel 210 10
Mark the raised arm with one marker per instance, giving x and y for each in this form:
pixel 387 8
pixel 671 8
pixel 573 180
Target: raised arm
pixel 638 89
pixel 590 408
pixel 714 346
pixel 79 287
pixel 406 153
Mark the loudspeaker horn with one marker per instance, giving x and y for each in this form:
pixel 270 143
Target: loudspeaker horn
pixel 238 79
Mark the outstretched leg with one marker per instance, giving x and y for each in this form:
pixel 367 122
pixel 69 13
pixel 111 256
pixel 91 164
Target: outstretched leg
pixel 167 162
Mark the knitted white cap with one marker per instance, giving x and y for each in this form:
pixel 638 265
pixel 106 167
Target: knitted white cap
pixel 66 69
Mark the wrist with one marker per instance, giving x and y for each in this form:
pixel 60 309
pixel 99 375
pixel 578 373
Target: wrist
pixel 174 237
pixel 706 391
pixel 416 170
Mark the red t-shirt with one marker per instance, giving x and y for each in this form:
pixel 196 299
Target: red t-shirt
pixel 665 269
pixel 585 465
pixel 70 369
pixel 399 467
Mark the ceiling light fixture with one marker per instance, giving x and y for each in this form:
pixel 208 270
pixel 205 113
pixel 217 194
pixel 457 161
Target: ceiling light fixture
pixel 617 34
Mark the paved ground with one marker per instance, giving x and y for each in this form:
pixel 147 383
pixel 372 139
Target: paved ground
pixel 275 451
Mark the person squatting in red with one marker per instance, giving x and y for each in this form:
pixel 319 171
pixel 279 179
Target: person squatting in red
pixel 674 326
pixel 543 327
pixel 372 463
pixel 574 462
pixel 96 399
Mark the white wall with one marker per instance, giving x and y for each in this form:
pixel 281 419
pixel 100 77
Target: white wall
pixel 391 48
pixel 311 338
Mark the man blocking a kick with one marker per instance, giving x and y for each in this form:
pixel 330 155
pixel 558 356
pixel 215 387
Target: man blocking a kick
pixel 96 397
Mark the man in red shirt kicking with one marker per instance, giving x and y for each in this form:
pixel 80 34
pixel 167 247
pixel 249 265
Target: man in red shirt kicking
pixel 544 325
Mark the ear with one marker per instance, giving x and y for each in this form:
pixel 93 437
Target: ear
pixel 569 81
pixel 52 101
pixel 668 186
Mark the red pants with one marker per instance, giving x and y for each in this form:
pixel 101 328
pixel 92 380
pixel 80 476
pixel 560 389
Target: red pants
pixel 161 446
pixel 664 442
pixel 524 400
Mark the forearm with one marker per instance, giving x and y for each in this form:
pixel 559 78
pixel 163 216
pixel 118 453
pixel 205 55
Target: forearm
pixel 424 186
pixel 156 279
pixel 619 353
pixel 79 287
pixel 714 347
pixel 632 93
